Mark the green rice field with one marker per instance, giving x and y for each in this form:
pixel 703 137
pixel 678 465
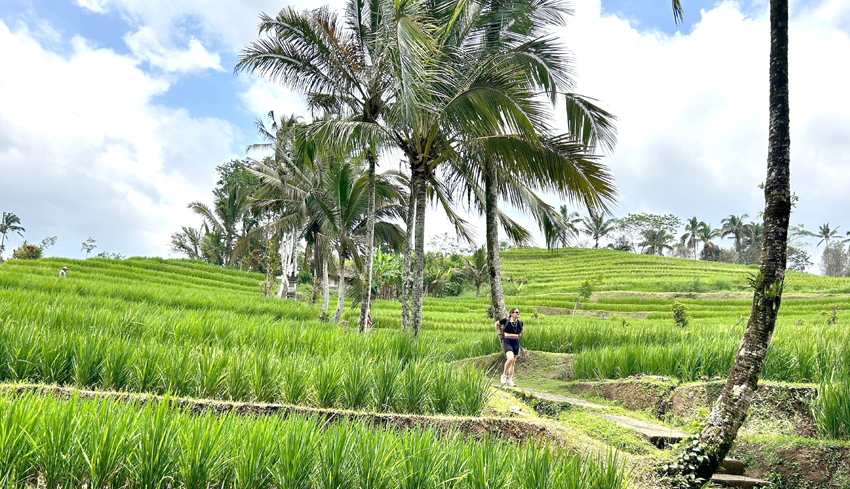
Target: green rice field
pixel 187 329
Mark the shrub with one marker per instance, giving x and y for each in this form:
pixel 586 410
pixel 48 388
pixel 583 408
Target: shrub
pixel 27 252
pixel 680 314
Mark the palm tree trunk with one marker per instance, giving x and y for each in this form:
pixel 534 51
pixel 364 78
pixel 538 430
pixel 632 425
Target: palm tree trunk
pixel 730 409
pixel 326 290
pixel 419 262
pixel 340 299
pixel 408 247
pixel 497 296
pixel 370 246
pixel 285 250
pixel 293 259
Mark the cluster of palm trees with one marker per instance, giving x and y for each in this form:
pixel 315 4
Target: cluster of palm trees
pixel 463 90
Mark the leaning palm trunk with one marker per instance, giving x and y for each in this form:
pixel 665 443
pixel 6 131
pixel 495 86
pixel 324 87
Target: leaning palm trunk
pixel 370 245
pixel 730 410
pixel 497 296
pixel 340 299
pixel 408 247
pixel 419 262
pixel 326 290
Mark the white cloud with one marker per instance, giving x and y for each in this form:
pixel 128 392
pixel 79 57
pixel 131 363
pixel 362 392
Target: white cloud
pixel 232 23
pixel 260 96
pixel 84 151
pixel 693 109
pixel 146 47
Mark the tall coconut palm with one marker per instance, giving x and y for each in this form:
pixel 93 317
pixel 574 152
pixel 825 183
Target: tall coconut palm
pixel 730 410
pixel 9 223
pixel 518 30
pixel 596 226
pixel 229 206
pixel 734 226
pixel 341 71
pixel 691 238
pixel 825 233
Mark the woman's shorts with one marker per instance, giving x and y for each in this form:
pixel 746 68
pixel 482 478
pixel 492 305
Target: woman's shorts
pixel 510 344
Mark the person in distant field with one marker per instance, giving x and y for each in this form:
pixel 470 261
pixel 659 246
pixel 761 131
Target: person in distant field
pixel 509 330
pixel 62 272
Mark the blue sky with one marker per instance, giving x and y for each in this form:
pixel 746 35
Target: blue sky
pixel 117 111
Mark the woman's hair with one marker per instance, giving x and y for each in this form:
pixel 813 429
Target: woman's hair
pixel 513 310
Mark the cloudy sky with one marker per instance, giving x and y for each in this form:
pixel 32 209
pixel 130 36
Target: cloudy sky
pixel 114 113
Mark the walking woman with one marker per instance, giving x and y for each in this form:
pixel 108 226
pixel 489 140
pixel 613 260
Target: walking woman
pixel 509 330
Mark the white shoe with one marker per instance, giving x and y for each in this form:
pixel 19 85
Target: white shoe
pixel 504 378
pixel 511 383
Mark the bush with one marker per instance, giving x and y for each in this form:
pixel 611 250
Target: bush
pixel 305 276
pixel 27 252
pixel 680 314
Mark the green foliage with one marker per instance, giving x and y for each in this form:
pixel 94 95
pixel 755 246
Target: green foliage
pixel 831 407
pixel 831 315
pixel 682 471
pixel 585 290
pixel 27 251
pixel 680 314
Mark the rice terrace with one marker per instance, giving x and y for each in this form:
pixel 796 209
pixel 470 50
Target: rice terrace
pixel 443 248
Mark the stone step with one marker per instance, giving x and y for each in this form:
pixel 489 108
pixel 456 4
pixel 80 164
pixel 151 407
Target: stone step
pixel 729 480
pixel 659 435
pixel 731 467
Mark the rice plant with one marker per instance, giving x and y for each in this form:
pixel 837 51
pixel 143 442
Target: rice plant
pixel 831 407
pixel 57 456
pixel 296 458
pixel 202 459
pixel 357 384
pixel 472 392
pixel 327 382
pixel 444 389
pixel 296 374
pixel 337 458
pixel 155 457
pixel 256 453
pixel 417 382
pixel 385 392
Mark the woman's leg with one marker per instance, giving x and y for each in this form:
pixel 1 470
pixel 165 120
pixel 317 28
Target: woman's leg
pixel 509 370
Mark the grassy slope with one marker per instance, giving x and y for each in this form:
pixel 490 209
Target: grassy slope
pixel 638 289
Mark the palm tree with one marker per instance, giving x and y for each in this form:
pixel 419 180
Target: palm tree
pixel 508 29
pixel 825 233
pixel 188 242
pixel 655 241
pixel 596 226
pixel 571 220
pixel 9 223
pixel 734 226
pixel 342 71
pixel 706 234
pixel 229 206
pixel 476 269
pixel 691 237
pixel 730 409
pixel 326 195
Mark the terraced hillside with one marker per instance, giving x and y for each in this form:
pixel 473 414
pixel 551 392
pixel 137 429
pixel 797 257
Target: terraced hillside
pixel 188 330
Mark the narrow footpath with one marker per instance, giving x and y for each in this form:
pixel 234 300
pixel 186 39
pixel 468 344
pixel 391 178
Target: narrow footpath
pixel 730 473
